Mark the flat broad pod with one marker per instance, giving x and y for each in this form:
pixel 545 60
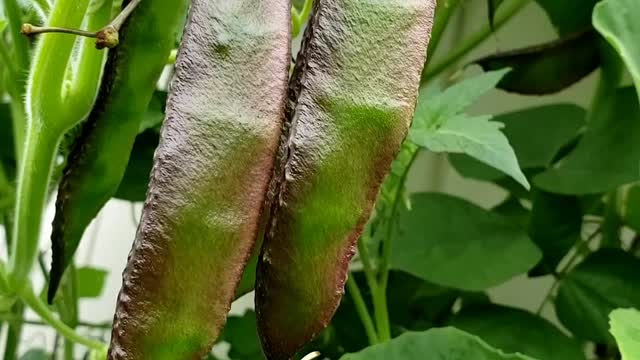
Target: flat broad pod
pixel 99 156
pixel 352 98
pixel 209 182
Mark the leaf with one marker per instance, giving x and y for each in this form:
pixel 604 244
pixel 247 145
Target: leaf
pixel 477 137
pixel 91 282
pixel 631 207
pixel 569 16
pixel 440 126
pixel 617 21
pixel 447 241
pixel 415 304
pixel 604 281
pixel 136 178
pixel 513 210
pixel 547 68
pixel 555 226
pixel 513 330
pixel 35 354
pixel 608 154
pixel 435 344
pixel 433 111
pixel 625 327
pixel 154 115
pixel 536 134
pixel 493 6
pixel 240 332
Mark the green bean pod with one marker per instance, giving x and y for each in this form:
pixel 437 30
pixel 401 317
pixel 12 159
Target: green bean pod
pixel 210 179
pixel 353 94
pixel 99 156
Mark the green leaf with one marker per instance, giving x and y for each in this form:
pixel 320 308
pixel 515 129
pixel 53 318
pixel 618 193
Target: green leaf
pixel 493 6
pixel 154 116
pixel 536 134
pixel 513 330
pixel 608 154
pixel 625 327
pixel 136 178
pixel 415 304
pixel 547 68
pixel 35 354
pixel 631 207
pixel 435 344
pixel 447 241
pixel 240 332
pixel 91 282
pixel 606 280
pixel 617 21
pixel 440 126
pixel 555 226
pixel 569 16
pixel 512 209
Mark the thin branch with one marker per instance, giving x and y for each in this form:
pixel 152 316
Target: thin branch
pixel 361 309
pixel 473 41
pixel 581 245
pixel 29 30
pixel 107 37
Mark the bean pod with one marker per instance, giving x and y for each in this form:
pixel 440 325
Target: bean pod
pixel 99 156
pixel 353 95
pixel 211 174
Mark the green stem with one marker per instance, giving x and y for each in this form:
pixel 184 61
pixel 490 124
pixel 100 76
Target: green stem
pixel 386 242
pixel 35 172
pixel 53 54
pixel 19 124
pixel 20 44
pixel 299 17
pixel 578 248
pixel 365 257
pixel 86 77
pixel 380 295
pixel 46 126
pixel 508 11
pixel 379 306
pixel 15 333
pixel 443 14
pixel 18 319
pixel 361 309
pixel 381 313
pixel 40 308
pixel 68 349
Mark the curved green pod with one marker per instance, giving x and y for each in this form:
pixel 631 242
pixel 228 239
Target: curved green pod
pixel 353 93
pixel 211 174
pixel 99 156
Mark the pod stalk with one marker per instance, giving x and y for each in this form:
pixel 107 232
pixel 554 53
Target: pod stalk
pixel 107 37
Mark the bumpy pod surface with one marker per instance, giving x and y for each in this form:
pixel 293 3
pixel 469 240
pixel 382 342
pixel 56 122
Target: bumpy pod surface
pixel 99 156
pixel 352 98
pixel 211 174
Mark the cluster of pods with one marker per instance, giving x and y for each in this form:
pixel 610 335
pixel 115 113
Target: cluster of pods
pixel 253 158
